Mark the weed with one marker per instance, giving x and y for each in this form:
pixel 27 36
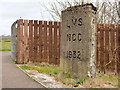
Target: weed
pixel 67 75
pixel 91 87
pixel 55 72
pixel 80 81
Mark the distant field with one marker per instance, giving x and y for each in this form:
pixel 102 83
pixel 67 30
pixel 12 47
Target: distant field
pixel 5 38
pixel 5 43
pixel 5 46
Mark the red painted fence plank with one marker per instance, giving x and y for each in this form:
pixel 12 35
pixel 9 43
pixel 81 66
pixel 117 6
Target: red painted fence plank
pixel 40 41
pixel 50 42
pixel 55 42
pixel 25 40
pixel 59 39
pixel 18 40
pixel 107 46
pixel 21 41
pixel 45 41
pixel 101 47
pixel 35 41
pixel 30 40
pixel 97 52
pixel 112 38
pixel 118 48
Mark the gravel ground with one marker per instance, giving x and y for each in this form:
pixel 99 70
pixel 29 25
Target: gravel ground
pixel 48 80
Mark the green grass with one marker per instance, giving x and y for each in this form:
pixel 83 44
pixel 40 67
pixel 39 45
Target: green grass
pixel 5 46
pixel 108 78
pixel 48 70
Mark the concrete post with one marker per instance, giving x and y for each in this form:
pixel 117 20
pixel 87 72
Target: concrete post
pixel 13 42
pixel 78 41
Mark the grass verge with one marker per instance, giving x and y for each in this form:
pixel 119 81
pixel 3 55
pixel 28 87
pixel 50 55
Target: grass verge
pixel 5 46
pixel 100 81
pixel 47 70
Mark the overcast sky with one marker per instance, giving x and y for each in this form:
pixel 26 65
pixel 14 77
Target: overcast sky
pixel 11 10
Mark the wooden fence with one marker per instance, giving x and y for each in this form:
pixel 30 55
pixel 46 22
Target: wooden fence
pixel 107 48
pixel 38 41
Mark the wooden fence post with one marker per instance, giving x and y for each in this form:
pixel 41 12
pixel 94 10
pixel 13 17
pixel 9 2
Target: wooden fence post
pixel 25 40
pixel 35 41
pixel 97 52
pixel 118 61
pixel 45 41
pixel 40 41
pixel 112 38
pixel 102 47
pixel 106 47
pixel 20 41
pixel 30 40
pixel 55 43
pixel 50 42
pixel 59 39
pixel 117 48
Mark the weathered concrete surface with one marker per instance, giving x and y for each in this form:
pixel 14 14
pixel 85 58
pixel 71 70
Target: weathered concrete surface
pixel 78 41
pixel 13 77
pixel 14 41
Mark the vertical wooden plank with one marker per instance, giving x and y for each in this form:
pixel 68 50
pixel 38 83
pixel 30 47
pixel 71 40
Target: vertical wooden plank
pixel 20 54
pixel 101 47
pixel 25 40
pixel 45 41
pixel 40 41
pixel 118 48
pixel 97 53
pixel 21 41
pixel 107 47
pixel 55 43
pixel 30 40
pixel 18 41
pixel 112 39
pixel 35 41
pixel 59 40
pixel 50 42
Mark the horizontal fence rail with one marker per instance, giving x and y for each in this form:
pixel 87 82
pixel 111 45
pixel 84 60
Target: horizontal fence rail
pixel 38 41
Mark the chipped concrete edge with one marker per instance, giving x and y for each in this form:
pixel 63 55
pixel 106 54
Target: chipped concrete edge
pixel 33 78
